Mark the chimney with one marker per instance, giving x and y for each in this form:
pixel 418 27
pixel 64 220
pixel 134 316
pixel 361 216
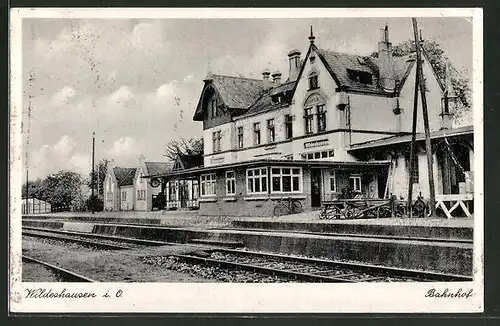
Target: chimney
pixel 276 78
pixel 386 69
pixel 142 159
pixel 293 64
pixel 265 79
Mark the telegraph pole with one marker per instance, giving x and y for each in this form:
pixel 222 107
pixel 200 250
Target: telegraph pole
pixel 92 202
pixel 428 148
pixel 412 146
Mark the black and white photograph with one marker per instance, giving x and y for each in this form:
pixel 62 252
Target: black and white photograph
pixel 256 160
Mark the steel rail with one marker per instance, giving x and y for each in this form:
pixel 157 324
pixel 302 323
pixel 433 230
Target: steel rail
pixel 263 270
pixel 357 267
pixel 65 274
pixel 100 245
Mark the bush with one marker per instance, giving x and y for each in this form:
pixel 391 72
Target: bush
pixel 98 204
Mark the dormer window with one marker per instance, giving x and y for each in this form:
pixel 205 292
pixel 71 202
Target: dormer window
pixel 313 81
pixel 362 77
pixel 213 105
pixel 312 59
pixel 277 99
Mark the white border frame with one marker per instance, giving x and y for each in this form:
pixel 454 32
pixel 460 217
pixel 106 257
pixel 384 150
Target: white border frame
pixel 248 298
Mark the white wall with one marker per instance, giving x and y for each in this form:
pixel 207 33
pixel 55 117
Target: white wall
pixel 327 88
pixel 433 97
pixel 111 193
pixel 128 204
pixel 335 118
pixel 227 140
pixel 141 184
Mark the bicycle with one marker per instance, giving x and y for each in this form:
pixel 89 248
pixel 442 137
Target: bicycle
pixel 287 206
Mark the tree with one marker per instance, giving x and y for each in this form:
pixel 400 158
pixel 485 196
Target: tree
pixel 63 188
pixel 192 146
pixel 60 189
pixel 438 59
pixel 101 168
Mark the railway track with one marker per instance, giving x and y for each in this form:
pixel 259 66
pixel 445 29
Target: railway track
pixel 77 239
pixel 63 274
pixel 283 266
pixel 308 269
pixel 116 239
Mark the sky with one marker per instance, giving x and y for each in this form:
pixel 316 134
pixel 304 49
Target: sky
pixel 136 83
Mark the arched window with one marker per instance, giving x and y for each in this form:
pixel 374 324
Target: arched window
pixel 315 104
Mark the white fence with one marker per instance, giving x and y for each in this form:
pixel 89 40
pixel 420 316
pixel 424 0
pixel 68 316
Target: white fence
pixel 35 206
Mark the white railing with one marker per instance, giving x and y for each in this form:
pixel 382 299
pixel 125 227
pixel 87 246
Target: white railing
pixel 454 201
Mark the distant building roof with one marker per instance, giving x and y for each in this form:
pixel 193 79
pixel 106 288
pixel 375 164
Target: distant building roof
pixel 191 161
pixel 158 167
pixel 124 176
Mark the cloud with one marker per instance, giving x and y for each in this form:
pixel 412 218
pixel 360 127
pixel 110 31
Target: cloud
pixel 146 36
pixel 65 146
pixel 59 156
pixel 123 149
pixel 121 96
pixel 63 96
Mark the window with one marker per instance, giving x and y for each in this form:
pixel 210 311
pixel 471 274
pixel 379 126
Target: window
pixel 321 117
pixel 332 182
pixel 172 193
pixel 313 81
pixel 317 155
pixel 124 195
pixel 177 166
pixel 230 183
pixel 286 179
pixel 355 182
pixel 141 194
pixel 257 181
pixel 308 120
pixel 288 126
pixel 214 108
pixel 240 137
pixel 271 134
pixel 256 133
pixel 360 76
pixel 216 141
pixel 208 184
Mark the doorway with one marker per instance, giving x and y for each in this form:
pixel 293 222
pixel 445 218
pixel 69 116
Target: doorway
pixel 315 188
pixel 453 167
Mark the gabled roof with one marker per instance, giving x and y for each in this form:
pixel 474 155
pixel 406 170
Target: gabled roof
pixel 247 96
pixel 157 167
pixel 265 103
pixel 339 63
pixel 124 176
pixel 235 92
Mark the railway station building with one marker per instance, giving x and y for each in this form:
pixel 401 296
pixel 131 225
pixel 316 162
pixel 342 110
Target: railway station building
pixel 125 189
pixel 338 121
